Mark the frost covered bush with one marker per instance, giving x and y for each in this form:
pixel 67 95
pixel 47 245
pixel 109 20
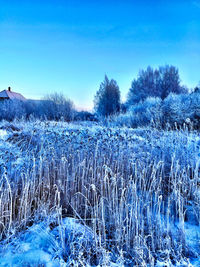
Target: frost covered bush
pixel 53 107
pixel 146 113
pixel 122 120
pixel 9 109
pixel 182 109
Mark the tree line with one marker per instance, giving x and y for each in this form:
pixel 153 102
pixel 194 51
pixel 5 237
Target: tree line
pixel 156 95
pixel 150 83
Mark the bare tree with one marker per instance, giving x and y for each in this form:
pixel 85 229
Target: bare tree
pixel 56 106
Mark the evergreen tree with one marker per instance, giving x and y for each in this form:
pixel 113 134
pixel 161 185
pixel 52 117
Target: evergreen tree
pixel 107 98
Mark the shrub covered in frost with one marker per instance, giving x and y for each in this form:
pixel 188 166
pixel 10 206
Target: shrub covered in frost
pixel 182 109
pixel 147 113
pixel 10 109
pixel 54 107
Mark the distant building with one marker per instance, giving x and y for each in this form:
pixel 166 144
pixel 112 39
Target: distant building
pixel 8 94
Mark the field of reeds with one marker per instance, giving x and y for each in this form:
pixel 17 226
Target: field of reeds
pixel 100 196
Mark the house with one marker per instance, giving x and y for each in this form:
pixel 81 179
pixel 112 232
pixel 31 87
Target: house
pixel 8 94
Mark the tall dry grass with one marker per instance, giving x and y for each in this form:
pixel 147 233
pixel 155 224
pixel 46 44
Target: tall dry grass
pixel 130 203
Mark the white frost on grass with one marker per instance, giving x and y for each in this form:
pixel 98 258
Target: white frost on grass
pixel 192 234
pixel 40 245
pixel 3 134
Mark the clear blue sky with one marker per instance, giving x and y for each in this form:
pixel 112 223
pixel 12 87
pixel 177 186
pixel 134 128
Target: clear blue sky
pixel 68 46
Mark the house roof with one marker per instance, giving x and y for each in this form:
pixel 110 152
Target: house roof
pixel 11 95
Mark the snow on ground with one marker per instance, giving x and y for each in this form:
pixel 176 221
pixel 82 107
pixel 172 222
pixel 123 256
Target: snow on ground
pixel 40 244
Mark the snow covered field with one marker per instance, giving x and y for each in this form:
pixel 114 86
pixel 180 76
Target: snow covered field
pixel 87 195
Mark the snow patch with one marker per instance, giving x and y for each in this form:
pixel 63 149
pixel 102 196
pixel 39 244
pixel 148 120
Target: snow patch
pixel 3 134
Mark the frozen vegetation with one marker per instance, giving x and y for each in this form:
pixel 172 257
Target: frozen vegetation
pixel 81 194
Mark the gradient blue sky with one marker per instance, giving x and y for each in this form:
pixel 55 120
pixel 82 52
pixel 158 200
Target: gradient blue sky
pixel 68 46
